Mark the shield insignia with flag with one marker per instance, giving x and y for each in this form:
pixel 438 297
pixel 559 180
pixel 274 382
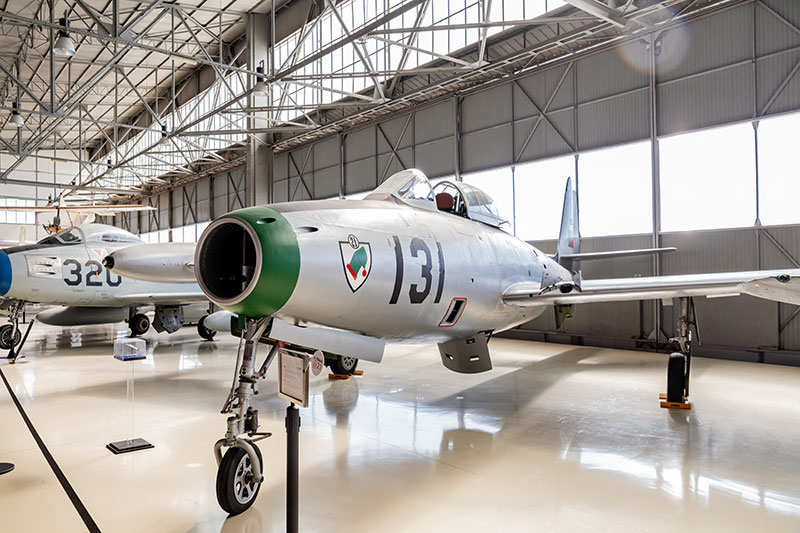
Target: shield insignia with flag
pixel 356 260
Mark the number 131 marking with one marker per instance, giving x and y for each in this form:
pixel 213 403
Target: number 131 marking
pixel 417 248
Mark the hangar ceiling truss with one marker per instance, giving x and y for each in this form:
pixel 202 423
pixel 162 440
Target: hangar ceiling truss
pixel 129 108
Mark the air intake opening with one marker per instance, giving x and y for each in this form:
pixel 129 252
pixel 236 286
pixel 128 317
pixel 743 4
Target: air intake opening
pixel 453 313
pixel 226 263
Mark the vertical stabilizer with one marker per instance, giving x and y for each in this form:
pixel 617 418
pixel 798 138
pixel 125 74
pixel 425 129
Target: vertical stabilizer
pixel 569 236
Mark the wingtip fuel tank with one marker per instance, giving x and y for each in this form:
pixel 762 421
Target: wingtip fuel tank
pixel 160 262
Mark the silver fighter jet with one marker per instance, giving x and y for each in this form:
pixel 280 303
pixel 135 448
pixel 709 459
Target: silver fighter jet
pixel 408 263
pixel 65 269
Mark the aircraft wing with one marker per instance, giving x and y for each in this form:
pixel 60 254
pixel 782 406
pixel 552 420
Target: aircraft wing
pixel 162 298
pixel 97 209
pixel 775 285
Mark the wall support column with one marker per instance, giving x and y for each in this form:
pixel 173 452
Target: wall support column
pixel 259 180
pixel 655 176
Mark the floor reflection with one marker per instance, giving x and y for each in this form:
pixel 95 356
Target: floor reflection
pixel 674 453
pixel 569 438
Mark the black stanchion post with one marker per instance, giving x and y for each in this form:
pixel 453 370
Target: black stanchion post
pixel 292 468
pixel 5 468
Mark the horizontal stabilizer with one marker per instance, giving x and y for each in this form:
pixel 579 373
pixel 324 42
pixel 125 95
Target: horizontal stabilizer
pixel 591 256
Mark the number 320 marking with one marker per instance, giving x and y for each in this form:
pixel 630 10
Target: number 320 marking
pixel 92 277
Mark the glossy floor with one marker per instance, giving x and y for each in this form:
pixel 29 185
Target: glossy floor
pixel 555 438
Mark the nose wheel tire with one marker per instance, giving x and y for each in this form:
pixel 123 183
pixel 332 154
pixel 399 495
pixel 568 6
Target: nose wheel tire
pixel 236 485
pixel 343 365
pixel 139 324
pixel 5 336
pixel 203 331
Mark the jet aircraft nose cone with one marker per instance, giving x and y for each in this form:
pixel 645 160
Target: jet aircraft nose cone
pixel 5 273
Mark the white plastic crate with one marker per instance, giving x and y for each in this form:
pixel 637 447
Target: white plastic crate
pixel 128 349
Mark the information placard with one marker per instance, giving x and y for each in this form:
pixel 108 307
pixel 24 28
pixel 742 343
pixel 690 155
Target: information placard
pixel 293 377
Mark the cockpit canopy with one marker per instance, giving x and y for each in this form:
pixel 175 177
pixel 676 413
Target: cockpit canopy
pixel 413 188
pixel 467 201
pixel 409 186
pixel 92 234
pixel 68 236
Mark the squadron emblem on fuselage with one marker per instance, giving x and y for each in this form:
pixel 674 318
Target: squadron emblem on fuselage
pixel 356 260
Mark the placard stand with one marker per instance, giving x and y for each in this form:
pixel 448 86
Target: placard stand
pixel 292 468
pixel 129 444
pixel 293 385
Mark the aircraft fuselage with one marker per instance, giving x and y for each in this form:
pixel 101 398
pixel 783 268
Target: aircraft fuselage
pixel 399 273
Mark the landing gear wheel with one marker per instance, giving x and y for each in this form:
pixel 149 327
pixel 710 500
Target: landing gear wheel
pixel 203 331
pixel 236 487
pixel 5 336
pixel 344 365
pixel 676 377
pixel 139 324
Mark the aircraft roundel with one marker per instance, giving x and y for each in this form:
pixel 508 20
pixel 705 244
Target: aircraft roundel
pixel 356 260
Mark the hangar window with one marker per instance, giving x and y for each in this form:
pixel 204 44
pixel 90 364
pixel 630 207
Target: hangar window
pixel 343 65
pixel 708 179
pixel 17 217
pixel 779 169
pixel 539 190
pixel 614 187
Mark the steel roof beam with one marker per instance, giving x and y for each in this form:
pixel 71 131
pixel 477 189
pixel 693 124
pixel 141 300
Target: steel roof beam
pixel 601 11
pixel 412 40
pixel 27 183
pixel 375 24
pixel 24 87
pixel 127 42
pixel 539 21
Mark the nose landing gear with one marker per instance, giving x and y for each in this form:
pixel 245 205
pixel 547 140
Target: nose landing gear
pixel 7 333
pixel 240 470
pixel 11 337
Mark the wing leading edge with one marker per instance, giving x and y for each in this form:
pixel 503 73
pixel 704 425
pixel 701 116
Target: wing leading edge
pixel 775 285
pixel 162 298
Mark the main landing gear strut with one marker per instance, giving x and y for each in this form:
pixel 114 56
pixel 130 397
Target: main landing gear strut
pixel 680 363
pixel 240 470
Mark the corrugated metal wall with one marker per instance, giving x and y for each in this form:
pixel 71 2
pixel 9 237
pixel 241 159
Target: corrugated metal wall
pixel 738 327
pixel 189 204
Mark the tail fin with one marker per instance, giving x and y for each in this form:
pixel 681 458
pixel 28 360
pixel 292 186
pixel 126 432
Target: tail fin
pixel 569 238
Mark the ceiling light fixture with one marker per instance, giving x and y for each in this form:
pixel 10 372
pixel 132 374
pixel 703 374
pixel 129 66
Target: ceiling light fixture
pixel 260 88
pixel 16 118
pixel 64 46
pixel 164 139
